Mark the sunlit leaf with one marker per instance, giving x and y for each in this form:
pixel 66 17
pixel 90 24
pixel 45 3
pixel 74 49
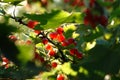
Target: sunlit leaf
pixel 54 19
pixel 26 53
pixel 66 68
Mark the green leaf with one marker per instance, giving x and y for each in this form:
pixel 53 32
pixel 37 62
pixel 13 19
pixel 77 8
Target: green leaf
pixel 104 3
pixel 6 29
pixel 103 59
pixel 115 13
pixel 26 53
pixel 69 29
pixel 66 68
pixel 15 2
pixel 94 34
pixel 50 20
pixel 54 19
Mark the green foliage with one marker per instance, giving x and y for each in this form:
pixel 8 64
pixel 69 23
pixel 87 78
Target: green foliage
pixel 54 19
pixel 14 2
pixel 81 49
pixel 26 51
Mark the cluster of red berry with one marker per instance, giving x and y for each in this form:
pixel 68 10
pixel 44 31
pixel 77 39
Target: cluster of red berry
pixel 5 62
pixel 50 41
pixel 94 19
pixel 31 24
pixel 38 57
pixel 50 49
pixel 58 36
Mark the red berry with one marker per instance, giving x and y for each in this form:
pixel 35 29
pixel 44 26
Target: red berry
pixel 60 37
pixel 86 20
pixel 28 42
pixel 32 24
pixel 5 60
pixel 92 2
pixel 75 2
pixel 44 40
pixel 38 57
pixel 103 20
pixel 54 64
pixel 41 59
pixel 53 35
pixel 44 2
pixel 88 11
pixel 7 66
pixel 79 55
pixel 48 47
pixel 75 43
pixel 13 38
pixel 73 51
pixel 71 40
pixel 59 30
pixel 52 52
pixel 91 20
pixel 65 43
pixel 81 3
pixel 37 32
pixel 60 77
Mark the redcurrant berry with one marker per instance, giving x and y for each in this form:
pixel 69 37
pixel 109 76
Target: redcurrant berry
pixel 54 64
pixel 32 24
pixel 60 77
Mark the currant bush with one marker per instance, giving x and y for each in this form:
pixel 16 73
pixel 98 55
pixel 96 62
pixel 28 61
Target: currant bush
pixel 59 40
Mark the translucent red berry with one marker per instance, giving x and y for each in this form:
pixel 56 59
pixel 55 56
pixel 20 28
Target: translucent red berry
pixel 87 11
pixel 86 20
pixel 73 51
pixel 48 47
pixel 44 2
pixel 79 55
pixel 60 37
pixel 13 38
pixel 5 60
pixel 44 40
pixel 71 40
pixel 92 3
pixel 75 2
pixel 53 35
pixel 59 30
pixel 54 64
pixel 38 57
pixel 28 42
pixel 90 20
pixel 52 52
pixel 60 77
pixel 81 3
pixel 37 32
pixel 32 24
pixel 65 43
pixel 103 20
